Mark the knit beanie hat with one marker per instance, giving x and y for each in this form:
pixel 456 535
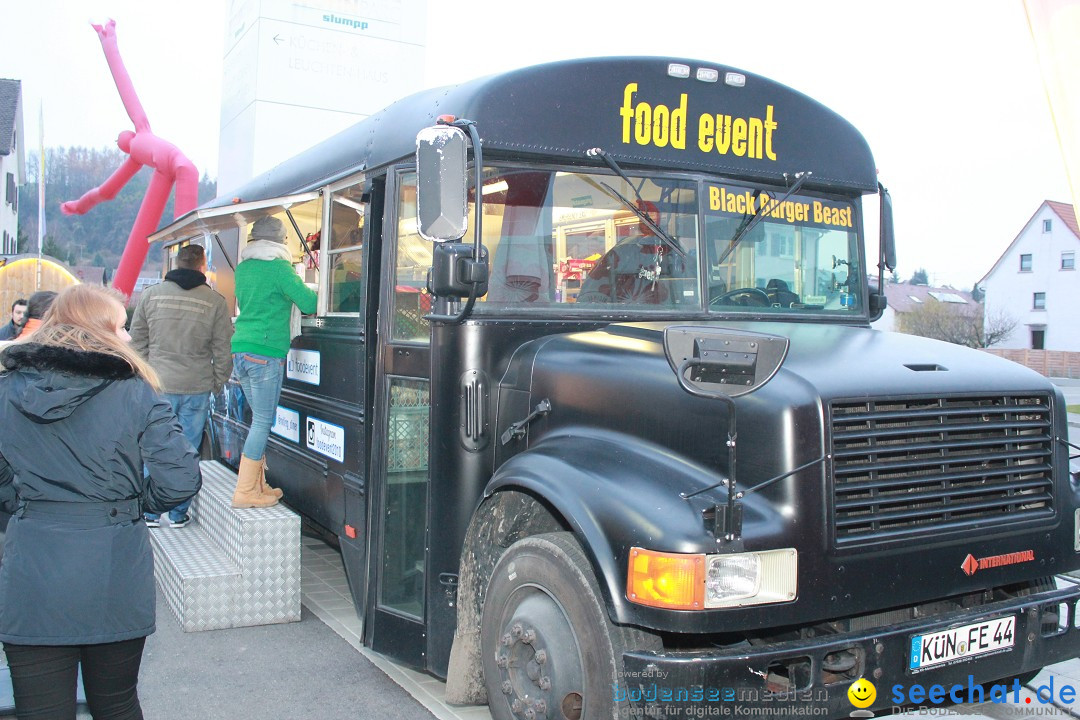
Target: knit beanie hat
pixel 268 228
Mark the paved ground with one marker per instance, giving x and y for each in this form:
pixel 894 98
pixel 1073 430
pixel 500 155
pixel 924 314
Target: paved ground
pixel 298 670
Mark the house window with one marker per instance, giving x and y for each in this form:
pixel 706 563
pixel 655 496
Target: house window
pixel 1025 262
pixel 782 245
pixel 1068 261
pixel 1038 339
pixel 1039 301
pixel 1048 225
pixel 12 193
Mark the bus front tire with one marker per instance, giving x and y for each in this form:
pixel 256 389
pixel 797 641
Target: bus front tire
pixel 547 642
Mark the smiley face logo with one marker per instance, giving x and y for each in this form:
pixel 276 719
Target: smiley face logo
pixel 862 693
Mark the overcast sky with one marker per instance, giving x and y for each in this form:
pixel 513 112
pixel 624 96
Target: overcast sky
pixel 947 92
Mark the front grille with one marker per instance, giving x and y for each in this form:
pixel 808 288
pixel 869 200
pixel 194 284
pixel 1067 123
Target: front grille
pixel 916 467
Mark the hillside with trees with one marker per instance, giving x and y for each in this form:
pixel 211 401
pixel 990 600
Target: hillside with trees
pixel 99 236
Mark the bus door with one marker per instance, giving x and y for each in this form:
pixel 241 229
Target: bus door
pixel 396 621
pixel 328 376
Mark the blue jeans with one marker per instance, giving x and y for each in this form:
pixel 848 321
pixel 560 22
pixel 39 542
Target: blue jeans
pixel 191 411
pixel 260 378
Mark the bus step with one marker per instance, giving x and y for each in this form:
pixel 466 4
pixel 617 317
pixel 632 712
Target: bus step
pixel 229 567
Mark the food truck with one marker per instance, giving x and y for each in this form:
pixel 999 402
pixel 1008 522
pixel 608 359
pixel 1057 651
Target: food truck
pixel 592 407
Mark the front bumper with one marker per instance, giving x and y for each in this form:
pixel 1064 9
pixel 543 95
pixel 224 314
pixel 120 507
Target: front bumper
pixel 735 682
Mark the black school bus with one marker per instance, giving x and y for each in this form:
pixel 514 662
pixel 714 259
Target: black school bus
pixel 621 438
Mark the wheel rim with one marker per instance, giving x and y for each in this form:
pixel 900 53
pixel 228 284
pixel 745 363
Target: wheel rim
pixel 538 655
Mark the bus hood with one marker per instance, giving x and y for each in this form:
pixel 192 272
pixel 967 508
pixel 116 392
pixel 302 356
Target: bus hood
pixel 836 359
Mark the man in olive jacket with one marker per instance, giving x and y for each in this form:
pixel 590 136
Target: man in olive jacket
pixel 184 329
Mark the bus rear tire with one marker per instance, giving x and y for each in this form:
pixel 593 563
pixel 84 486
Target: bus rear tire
pixel 547 642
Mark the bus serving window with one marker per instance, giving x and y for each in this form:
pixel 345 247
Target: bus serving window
pixel 803 256
pixel 343 259
pixel 308 217
pixel 562 238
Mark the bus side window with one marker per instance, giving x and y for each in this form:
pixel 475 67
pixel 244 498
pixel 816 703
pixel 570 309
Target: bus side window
pixel 411 262
pixel 343 259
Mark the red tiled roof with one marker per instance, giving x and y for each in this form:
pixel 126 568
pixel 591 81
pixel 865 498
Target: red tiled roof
pixel 1066 212
pixel 902 297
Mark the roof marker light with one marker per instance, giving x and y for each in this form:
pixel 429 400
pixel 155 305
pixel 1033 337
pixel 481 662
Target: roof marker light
pixel 735 79
pixel 678 70
pixel 708 74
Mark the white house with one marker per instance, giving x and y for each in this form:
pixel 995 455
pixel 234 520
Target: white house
pixel 12 163
pixel 1035 282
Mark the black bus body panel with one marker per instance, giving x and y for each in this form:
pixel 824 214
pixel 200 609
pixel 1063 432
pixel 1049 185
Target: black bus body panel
pixel 657 441
pixel 461 467
pixel 623 440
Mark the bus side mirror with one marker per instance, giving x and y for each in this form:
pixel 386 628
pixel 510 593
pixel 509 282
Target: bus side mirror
pixel 441 183
pixel 878 303
pixel 888 241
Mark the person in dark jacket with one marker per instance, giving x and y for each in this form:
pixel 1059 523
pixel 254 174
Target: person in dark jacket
pixel 81 416
pixel 182 327
pixel 11 330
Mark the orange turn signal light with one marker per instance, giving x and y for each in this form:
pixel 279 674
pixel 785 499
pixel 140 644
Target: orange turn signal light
pixel 675 581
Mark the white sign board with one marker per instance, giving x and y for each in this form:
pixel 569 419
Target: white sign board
pixel 303 365
pixel 286 424
pixel 326 439
pixel 297 73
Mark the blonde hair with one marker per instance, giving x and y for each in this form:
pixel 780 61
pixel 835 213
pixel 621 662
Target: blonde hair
pixel 83 317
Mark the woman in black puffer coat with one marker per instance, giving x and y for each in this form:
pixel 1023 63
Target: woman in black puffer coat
pixel 81 416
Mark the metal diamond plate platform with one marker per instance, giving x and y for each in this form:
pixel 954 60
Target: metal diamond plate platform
pixel 229 567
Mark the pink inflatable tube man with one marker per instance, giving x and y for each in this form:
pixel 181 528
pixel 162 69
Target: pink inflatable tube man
pixel 143 148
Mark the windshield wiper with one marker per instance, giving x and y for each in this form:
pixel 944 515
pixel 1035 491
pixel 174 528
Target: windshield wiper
pixel 642 215
pixel 751 221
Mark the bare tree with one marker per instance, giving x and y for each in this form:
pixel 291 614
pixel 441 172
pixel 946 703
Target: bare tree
pixel 996 326
pixel 958 324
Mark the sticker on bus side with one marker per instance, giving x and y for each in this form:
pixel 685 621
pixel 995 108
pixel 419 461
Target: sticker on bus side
pixel 286 424
pixel 326 439
pixel 303 365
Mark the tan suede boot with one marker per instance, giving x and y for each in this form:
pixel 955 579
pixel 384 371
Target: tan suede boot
pixel 263 487
pixel 247 493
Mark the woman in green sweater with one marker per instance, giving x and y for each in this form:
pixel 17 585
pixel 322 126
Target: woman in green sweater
pixel 267 287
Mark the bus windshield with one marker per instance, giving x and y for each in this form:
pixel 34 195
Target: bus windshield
pixel 767 251
pixel 578 240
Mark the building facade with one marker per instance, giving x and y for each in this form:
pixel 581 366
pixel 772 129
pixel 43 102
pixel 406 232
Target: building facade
pixel 296 73
pixel 1035 282
pixel 12 163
